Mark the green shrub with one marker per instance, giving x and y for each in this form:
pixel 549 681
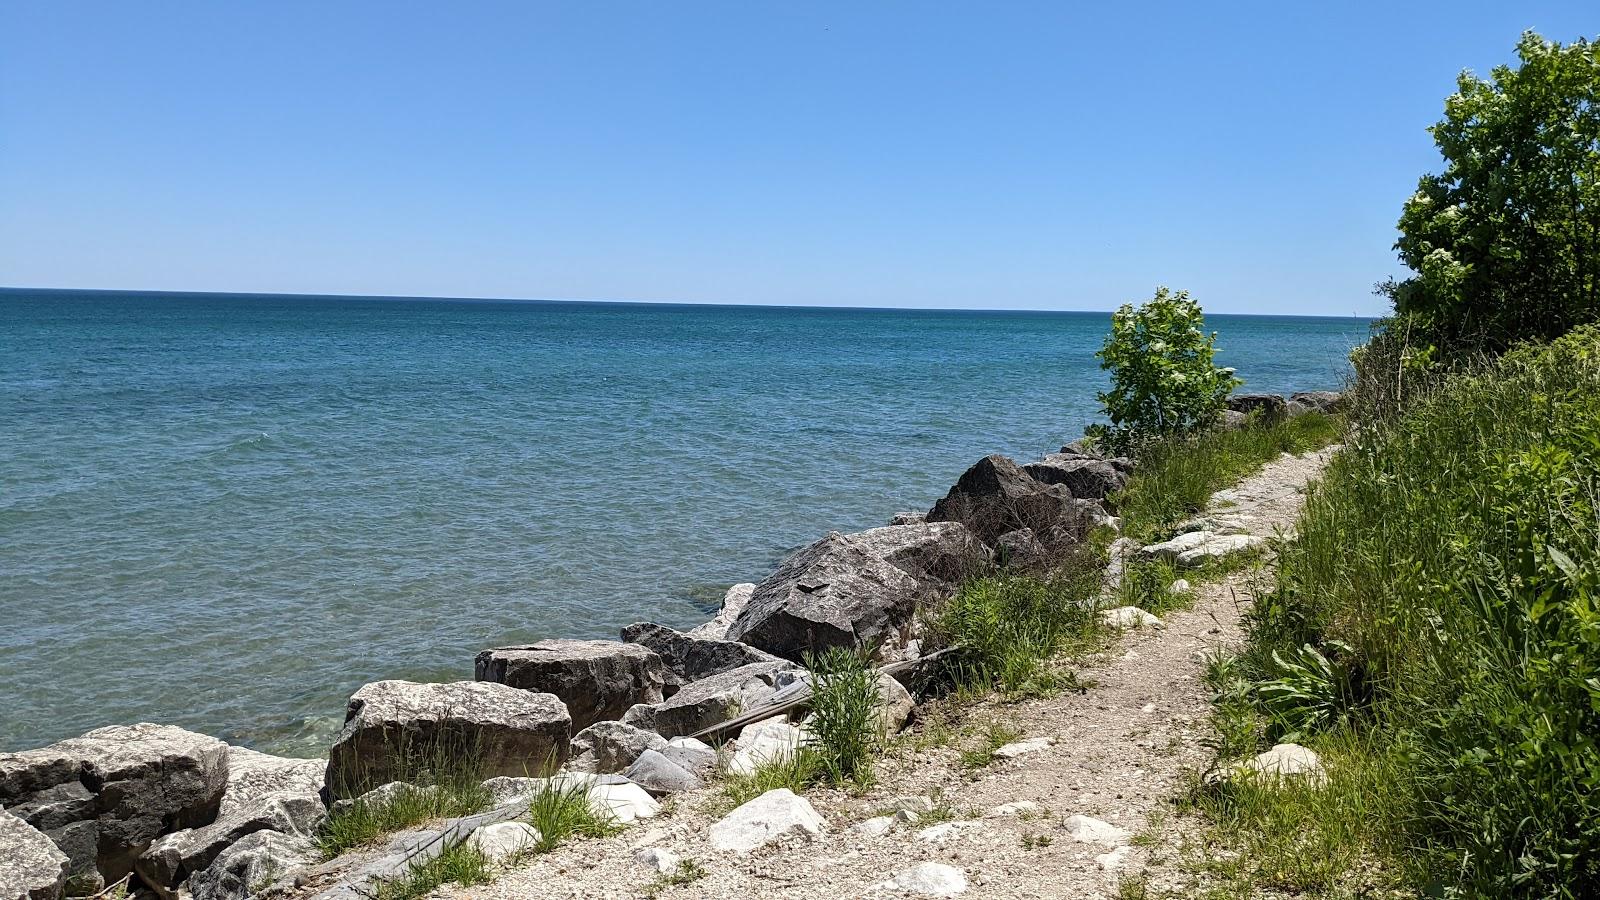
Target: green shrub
pixel 1162 379
pixel 1453 552
pixel 1505 242
pixel 844 721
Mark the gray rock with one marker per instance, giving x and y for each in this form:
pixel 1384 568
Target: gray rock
pixel 775 815
pixel 658 774
pixel 381 796
pixel 1020 549
pixel 505 789
pixel 103 798
pixel 389 724
pixel 858 590
pixel 658 860
pixel 733 603
pixel 256 861
pixel 253 776
pixel 1270 407
pixel 691 658
pixel 1233 420
pixel 1322 401
pixel 175 857
pixel 31 868
pixel 1087 477
pixel 895 704
pixel 996 496
pixel 692 754
pixel 611 747
pixel 1088 830
pixel 908 518
pixel 597 680
pixel 710 701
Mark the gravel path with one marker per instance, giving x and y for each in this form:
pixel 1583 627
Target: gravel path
pixel 1118 753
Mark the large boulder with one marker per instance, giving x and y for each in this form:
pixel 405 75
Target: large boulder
pixel 1321 401
pixel 255 776
pixel 103 798
pixel 607 747
pixel 255 861
pixel 733 603
pixel 597 680
pixel 689 658
pixel 996 496
pixel 1084 475
pixel 1270 407
pixel 711 701
pixel 394 727
pixel 31 867
pixel 175 857
pixel 857 590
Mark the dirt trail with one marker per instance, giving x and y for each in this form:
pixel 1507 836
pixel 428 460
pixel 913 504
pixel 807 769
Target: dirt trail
pixel 1118 753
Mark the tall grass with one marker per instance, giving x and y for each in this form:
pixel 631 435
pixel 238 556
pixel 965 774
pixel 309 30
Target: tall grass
pixel 559 810
pixel 441 779
pixel 1448 574
pixel 844 724
pixel 1175 477
pixel 1008 627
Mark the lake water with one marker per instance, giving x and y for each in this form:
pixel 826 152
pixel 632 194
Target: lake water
pixel 229 512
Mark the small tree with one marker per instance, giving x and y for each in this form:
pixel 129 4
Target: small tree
pixel 1505 242
pixel 1162 379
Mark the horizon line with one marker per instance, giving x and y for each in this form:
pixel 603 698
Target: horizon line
pixel 669 303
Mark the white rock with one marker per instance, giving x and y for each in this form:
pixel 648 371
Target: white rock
pixel 1183 543
pixel 1022 748
pixel 1129 617
pixel 624 803
pixel 929 880
pixel 1219 546
pixel 1008 810
pixel 664 862
pixel 906 817
pixel 773 815
pixel 1281 762
pixel 1094 831
pixel 1181 586
pixel 507 789
pixel 1113 861
pixel 653 836
pixel 764 743
pixel 873 827
pixel 503 840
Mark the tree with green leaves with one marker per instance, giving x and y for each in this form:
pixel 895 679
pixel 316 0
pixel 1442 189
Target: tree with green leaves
pixel 1163 382
pixel 1505 242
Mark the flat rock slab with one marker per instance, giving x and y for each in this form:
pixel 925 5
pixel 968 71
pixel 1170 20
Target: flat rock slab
pixel 103 798
pixel 597 680
pixel 390 725
pixel 710 701
pixel 31 868
pixel 773 816
pixel 1088 830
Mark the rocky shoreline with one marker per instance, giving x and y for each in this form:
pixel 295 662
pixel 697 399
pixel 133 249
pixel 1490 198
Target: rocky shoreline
pixel 171 813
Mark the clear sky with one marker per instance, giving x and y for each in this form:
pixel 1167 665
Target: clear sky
pixel 983 155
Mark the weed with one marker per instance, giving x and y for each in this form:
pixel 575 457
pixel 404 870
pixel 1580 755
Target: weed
pixel 560 809
pixel 844 724
pixel 1008 626
pixel 688 872
pixel 461 864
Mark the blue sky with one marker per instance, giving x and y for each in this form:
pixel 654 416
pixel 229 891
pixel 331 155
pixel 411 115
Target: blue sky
pixel 1004 155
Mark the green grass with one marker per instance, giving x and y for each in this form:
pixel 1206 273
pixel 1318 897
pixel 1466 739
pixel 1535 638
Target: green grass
pixel 462 864
pixel 797 773
pixel 995 735
pixel 1174 478
pixel 688 872
pixel 1008 628
pixel 561 811
pixel 1435 634
pixel 435 795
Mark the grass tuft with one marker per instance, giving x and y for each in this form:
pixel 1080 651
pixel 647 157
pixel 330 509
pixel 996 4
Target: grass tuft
pixel 462 864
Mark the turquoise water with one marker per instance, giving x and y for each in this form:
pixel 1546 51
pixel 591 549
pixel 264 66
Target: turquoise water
pixel 228 512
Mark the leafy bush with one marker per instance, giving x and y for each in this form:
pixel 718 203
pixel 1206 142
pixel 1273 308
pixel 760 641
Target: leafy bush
pixel 1505 242
pixel 1162 379
pixel 1455 551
